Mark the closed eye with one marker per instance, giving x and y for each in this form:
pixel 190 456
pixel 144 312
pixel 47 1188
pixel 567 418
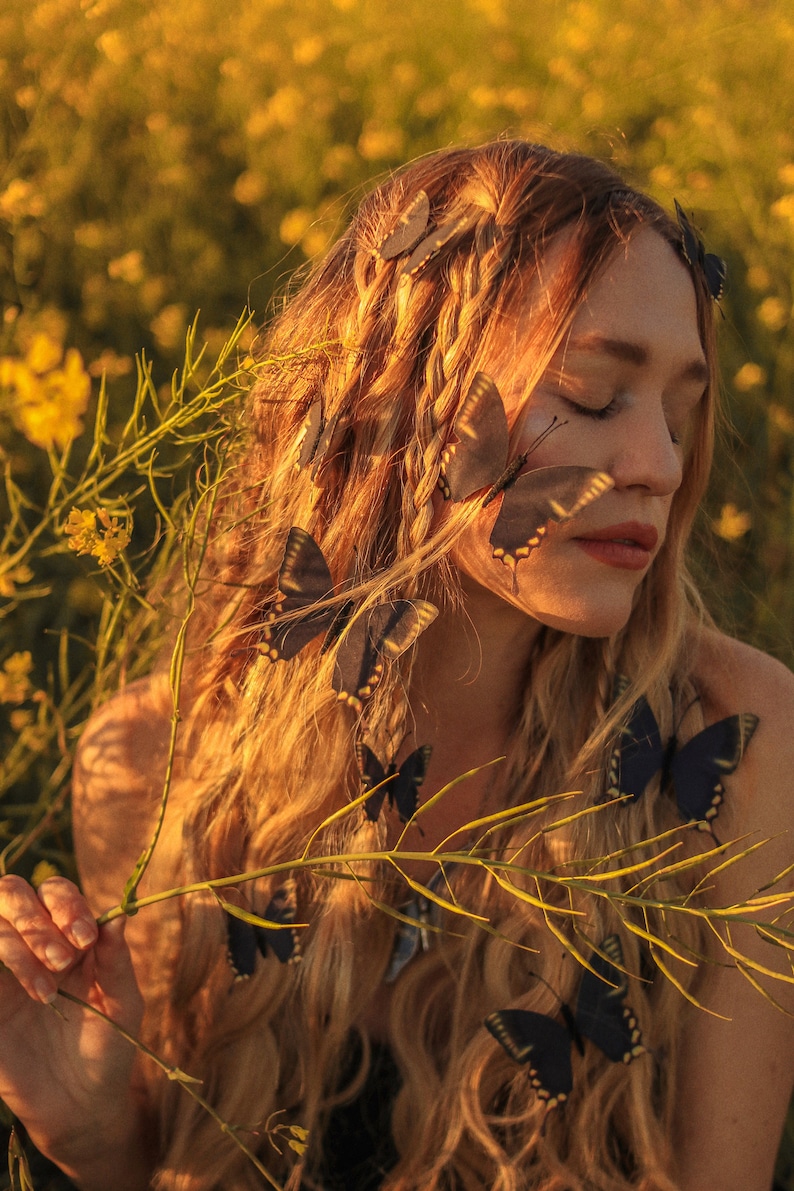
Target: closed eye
pixel 602 412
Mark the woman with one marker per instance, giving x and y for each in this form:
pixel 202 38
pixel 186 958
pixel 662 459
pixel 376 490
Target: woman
pixel 537 620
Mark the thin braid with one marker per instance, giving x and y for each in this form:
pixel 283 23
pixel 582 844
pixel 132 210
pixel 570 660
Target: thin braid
pixel 606 678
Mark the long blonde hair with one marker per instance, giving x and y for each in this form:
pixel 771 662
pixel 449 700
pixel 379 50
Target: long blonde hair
pixel 273 749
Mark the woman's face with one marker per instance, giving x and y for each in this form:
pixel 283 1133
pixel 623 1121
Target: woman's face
pixel 625 383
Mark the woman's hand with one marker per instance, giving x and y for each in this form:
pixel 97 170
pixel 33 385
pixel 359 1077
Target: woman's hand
pixel 64 1071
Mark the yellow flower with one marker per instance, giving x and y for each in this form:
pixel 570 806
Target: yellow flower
pixel 773 314
pixel 732 524
pixel 48 397
pixel 20 200
pixel 42 872
pixel 10 578
pixel 750 376
pixel 15 685
pixel 44 354
pixel 781 418
pixel 105 543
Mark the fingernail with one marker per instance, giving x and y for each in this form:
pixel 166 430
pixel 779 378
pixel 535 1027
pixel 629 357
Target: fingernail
pixel 57 956
pixel 83 933
pixel 44 990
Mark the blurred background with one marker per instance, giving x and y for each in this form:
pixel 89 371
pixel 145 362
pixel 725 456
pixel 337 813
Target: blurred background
pixel 163 158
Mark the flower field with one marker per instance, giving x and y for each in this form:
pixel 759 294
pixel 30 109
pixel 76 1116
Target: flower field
pixel 166 169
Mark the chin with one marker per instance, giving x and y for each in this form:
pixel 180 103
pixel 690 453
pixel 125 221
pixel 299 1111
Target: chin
pixel 584 621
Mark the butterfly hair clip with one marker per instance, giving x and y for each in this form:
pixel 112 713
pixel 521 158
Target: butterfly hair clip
pixel 320 441
pixel 477 458
pixel 369 638
pixel 409 229
pixel 695 771
pixel 400 784
pixel 601 1016
pixel 712 266
pixel 245 940
pixel 410 233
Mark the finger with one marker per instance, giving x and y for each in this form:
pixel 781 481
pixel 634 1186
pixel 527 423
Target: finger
pixel 115 975
pixel 27 920
pixel 69 911
pixel 15 955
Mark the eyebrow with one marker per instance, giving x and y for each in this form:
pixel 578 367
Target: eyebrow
pixel 634 353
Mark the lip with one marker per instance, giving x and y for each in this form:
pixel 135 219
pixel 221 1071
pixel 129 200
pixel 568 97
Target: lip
pixel 628 545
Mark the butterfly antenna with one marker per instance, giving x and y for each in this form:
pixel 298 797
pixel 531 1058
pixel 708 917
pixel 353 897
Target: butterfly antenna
pixel 510 475
pixel 555 424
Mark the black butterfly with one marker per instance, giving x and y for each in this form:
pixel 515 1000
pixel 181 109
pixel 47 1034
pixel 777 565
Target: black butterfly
pixel 696 770
pixel 713 266
pixel 372 636
pixel 408 230
pixel 478 459
pixel 244 939
pixel 601 1015
pixel 403 788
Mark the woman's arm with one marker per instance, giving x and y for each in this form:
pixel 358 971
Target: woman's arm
pixel 63 1071
pixel 737 1074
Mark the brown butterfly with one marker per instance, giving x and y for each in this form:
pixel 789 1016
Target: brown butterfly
pixel 477 458
pixel 304 580
pixel 371 637
pixel 432 245
pixel 408 230
pixel 320 440
pixel 375 636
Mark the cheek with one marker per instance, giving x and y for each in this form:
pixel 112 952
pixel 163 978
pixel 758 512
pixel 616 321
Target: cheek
pixel 561 439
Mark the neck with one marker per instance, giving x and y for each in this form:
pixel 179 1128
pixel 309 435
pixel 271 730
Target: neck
pixel 471 671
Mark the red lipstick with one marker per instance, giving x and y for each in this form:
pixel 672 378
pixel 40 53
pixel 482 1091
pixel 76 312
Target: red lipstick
pixel 629 545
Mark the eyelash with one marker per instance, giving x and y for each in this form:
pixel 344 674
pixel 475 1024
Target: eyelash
pixel 600 414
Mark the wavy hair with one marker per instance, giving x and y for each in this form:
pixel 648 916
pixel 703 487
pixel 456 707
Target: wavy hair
pixel 272 748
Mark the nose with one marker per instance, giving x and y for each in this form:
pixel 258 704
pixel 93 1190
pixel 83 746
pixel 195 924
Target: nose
pixel 645 456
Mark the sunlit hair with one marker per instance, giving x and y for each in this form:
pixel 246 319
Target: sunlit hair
pixel 272 749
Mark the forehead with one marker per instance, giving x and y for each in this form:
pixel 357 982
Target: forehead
pixel 644 296
pixel 645 292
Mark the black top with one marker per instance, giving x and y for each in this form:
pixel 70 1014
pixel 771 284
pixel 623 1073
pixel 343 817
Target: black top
pixel 358 1148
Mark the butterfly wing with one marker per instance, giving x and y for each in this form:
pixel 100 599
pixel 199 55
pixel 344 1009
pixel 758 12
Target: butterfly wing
pixel 542 1043
pixel 716 274
pixel 404 788
pixel 432 245
pixel 282 908
pixel 382 633
pixel 538 498
pixel 241 946
pixel 328 446
pixel 477 458
pixel 602 1014
pixel 409 229
pixel 372 774
pixel 698 767
pixel 638 755
pixel 303 579
pixel 310 434
pixel 713 266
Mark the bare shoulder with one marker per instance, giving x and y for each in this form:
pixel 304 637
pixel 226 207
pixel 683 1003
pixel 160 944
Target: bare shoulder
pixel 729 673
pixel 733 678
pixel 118 779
